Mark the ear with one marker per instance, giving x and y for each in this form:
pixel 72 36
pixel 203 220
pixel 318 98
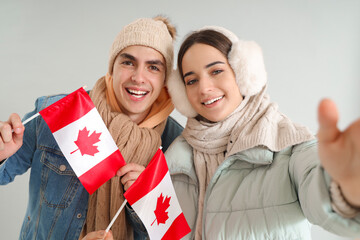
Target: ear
pixel 177 91
pixel 246 59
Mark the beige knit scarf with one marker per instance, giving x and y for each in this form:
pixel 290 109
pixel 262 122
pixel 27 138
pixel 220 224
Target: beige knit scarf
pixel 256 121
pixel 137 145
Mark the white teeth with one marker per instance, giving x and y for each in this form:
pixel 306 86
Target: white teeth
pixel 213 100
pixel 136 92
pixel 138 96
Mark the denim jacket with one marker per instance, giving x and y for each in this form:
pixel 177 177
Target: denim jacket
pixel 58 202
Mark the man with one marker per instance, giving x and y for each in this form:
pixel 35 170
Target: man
pixel 135 106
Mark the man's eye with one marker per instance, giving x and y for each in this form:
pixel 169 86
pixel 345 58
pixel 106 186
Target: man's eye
pixel 155 68
pixel 129 63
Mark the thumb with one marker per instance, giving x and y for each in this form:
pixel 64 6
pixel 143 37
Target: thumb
pixel 328 117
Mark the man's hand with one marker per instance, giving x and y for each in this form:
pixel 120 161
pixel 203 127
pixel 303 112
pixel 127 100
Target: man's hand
pixel 11 136
pixel 339 152
pixel 129 173
pixel 99 235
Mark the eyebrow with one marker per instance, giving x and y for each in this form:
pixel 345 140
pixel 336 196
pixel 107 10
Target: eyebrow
pixel 155 62
pixel 187 74
pixel 131 57
pixel 126 55
pixel 206 66
pixel 214 63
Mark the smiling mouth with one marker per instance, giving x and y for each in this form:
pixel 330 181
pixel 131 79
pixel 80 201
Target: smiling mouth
pixel 137 93
pixel 212 100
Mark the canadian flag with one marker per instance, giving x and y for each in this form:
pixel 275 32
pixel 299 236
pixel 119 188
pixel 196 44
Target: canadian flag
pixel 83 139
pixel 153 198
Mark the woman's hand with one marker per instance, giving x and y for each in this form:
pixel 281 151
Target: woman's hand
pixel 339 151
pixel 129 173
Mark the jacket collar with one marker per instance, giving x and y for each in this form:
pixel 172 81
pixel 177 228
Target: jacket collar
pixel 180 159
pixel 257 155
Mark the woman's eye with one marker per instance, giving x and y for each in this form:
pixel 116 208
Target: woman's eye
pixel 217 72
pixel 191 82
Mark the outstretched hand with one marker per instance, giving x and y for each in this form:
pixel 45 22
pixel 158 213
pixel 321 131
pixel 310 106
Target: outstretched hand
pixel 339 151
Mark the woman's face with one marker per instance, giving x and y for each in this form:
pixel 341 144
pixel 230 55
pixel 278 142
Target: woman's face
pixel 210 82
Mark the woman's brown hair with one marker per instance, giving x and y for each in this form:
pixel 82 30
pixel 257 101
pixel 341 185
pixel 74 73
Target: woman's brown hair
pixel 208 37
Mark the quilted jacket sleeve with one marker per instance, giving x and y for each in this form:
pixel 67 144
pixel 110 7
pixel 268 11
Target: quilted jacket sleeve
pixel 312 185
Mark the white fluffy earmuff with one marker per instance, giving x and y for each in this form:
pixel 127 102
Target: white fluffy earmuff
pixel 177 91
pixel 246 60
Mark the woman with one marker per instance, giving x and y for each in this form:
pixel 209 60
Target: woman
pixel 242 169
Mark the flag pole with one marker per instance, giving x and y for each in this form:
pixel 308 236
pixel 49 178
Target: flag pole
pixel 30 118
pixel 116 215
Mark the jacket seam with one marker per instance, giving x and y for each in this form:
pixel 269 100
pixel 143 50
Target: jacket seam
pixel 83 193
pixel 298 149
pixel 250 209
pixel 48 149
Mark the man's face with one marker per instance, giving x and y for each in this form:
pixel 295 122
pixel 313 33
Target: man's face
pixel 138 78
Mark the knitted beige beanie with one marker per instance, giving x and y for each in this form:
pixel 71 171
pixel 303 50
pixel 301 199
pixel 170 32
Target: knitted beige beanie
pixel 156 33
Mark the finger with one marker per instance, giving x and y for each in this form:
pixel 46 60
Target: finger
pixel 131 176
pixel 5 132
pixel 129 168
pixel 17 126
pixel 15 122
pixel 128 184
pixel 128 179
pixel 2 145
pixel 109 235
pixel 95 235
pixel 328 117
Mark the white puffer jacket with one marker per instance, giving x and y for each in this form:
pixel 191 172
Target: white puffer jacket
pixel 258 194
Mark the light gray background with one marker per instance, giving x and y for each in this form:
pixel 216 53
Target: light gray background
pixel 311 51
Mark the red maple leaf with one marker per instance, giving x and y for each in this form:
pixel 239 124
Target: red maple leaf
pixel 86 143
pixel 160 211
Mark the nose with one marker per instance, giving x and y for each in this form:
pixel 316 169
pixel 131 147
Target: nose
pixel 205 85
pixel 138 75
